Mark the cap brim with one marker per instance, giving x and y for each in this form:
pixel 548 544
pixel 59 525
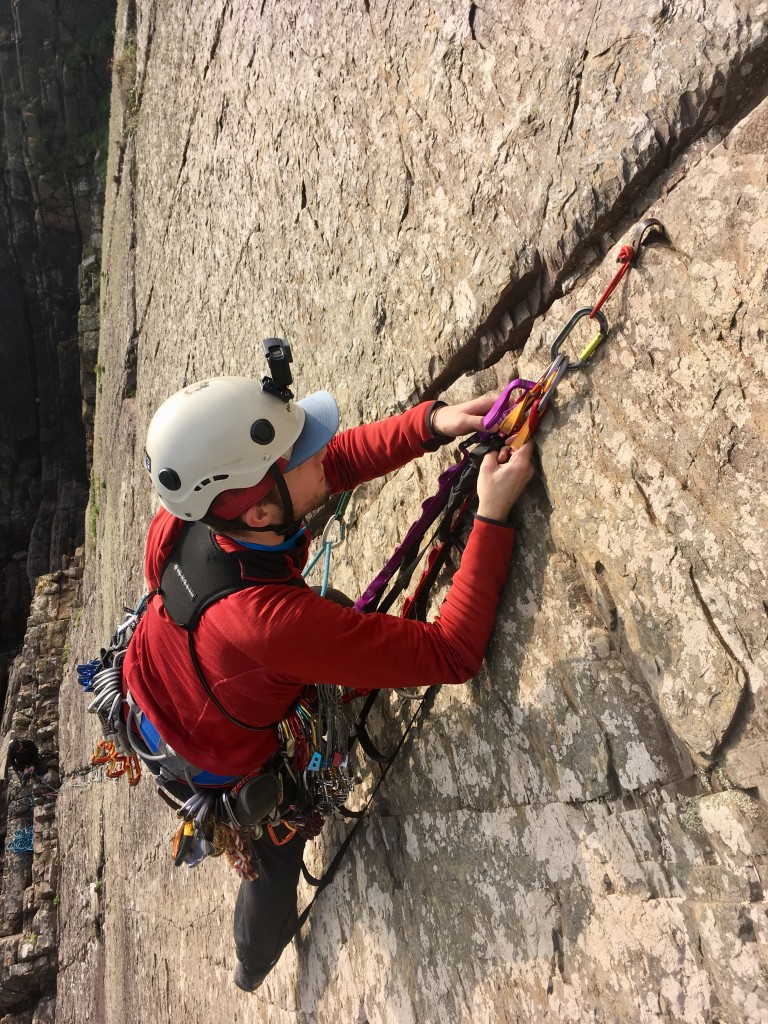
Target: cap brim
pixel 321 421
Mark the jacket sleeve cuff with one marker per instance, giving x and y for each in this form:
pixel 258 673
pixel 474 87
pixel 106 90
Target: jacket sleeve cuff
pixel 493 522
pixel 434 440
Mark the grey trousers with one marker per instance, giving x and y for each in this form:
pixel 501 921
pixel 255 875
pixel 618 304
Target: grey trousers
pixel 265 911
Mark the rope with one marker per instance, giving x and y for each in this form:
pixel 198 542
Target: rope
pixel 328 875
pixel 22 841
pixel 53 789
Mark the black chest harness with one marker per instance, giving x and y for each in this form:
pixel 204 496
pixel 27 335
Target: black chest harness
pixel 199 573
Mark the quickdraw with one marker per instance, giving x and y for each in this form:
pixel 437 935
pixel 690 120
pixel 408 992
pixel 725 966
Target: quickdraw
pixel 518 417
pixel 513 419
pixel 116 764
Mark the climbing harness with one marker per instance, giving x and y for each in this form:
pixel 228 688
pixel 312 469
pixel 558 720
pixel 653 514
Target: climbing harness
pixel 314 735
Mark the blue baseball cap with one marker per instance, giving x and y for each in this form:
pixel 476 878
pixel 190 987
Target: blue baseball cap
pixel 321 421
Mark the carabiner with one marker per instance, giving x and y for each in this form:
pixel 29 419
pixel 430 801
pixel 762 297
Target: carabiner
pixel 527 429
pixel 104 752
pixel 117 767
pixel 329 526
pixel 134 770
pixel 501 407
pixel 587 352
pixel 554 376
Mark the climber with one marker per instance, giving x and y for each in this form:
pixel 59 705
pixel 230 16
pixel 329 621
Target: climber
pixel 247 461
pixel 24 758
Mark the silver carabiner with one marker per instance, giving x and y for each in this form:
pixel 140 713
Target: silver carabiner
pixel 587 352
pixel 329 526
pixel 557 370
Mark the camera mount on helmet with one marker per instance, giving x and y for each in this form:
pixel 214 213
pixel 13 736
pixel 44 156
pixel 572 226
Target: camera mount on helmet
pixel 279 357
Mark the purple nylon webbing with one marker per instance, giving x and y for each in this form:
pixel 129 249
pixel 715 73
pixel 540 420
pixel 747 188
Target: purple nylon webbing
pixel 430 510
pixel 433 506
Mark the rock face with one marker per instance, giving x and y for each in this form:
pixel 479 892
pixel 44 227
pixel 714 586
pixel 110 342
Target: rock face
pixel 409 194
pixel 30 886
pixel 54 97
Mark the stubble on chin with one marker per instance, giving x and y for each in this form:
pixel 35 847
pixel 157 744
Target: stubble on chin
pixel 316 502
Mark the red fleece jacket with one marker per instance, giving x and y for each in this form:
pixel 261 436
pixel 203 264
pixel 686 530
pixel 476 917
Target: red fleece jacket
pixel 259 647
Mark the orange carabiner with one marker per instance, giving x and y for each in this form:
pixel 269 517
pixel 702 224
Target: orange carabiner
pixel 104 752
pixel 117 767
pixel 287 839
pixel 133 768
pixel 516 415
pixel 527 429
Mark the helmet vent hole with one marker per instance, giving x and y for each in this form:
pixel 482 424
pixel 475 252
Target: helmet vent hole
pixel 262 432
pixel 208 479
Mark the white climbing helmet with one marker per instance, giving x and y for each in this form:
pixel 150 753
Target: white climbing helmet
pixel 225 433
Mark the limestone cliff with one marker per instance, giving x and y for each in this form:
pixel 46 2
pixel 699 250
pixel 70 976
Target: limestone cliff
pixel 29 878
pixel 54 100
pixel 419 197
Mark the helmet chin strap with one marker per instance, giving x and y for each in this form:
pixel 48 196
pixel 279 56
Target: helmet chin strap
pixel 285 529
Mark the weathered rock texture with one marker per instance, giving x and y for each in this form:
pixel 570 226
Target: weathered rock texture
pixel 29 889
pixel 54 99
pixel 408 193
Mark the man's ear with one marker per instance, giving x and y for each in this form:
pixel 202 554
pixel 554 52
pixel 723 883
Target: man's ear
pixel 263 514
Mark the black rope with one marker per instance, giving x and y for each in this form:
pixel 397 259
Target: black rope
pixel 425 705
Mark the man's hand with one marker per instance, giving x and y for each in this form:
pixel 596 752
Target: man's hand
pixel 502 479
pixel 456 420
